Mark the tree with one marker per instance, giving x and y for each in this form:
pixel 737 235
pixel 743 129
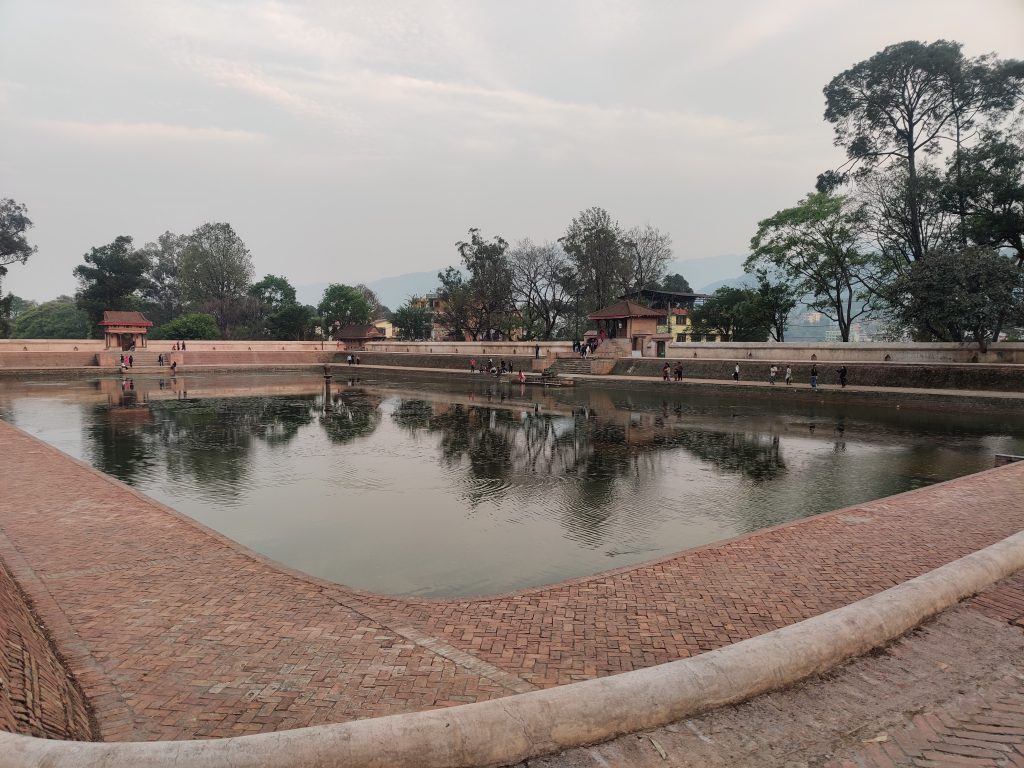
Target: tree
pixel 904 101
pixel 818 247
pixel 412 321
pixel 489 286
pixel 650 251
pixel 273 292
pixel 992 185
pixel 195 325
pixel 676 283
pixel 216 271
pixel 57 319
pixel 377 310
pixel 14 246
pixel 734 313
pixel 596 252
pixel 112 277
pixel 542 285
pixel 276 312
pixel 14 249
pixel 456 303
pixel 163 289
pixel 343 305
pixel 962 295
pixel 775 300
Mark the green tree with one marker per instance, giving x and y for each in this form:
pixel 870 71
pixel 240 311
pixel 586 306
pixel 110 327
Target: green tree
pixel 163 290
pixel 817 246
pixel 194 325
pixel 112 277
pixel 992 185
pixel 736 314
pixel 57 319
pixel 775 301
pixel 962 295
pixel 216 272
pixel 489 285
pixel 277 313
pixel 676 283
pixel 456 303
pixel 273 292
pixel 603 268
pixel 412 322
pixel 14 249
pixel 904 101
pixel 343 305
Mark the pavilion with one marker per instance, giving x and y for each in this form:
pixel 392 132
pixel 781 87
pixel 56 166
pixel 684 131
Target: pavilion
pixel 124 330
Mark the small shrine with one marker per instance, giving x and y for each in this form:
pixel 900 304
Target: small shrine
pixel 124 330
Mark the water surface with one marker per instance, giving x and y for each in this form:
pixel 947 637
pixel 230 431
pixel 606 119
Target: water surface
pixel 466 487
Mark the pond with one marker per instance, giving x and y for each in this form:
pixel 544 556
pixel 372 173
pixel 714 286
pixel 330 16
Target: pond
pixel 462 486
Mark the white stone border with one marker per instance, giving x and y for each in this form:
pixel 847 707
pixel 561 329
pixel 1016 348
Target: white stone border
pixel 514 728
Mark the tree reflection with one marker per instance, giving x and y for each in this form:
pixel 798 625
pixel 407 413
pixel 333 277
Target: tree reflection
pixel 354 413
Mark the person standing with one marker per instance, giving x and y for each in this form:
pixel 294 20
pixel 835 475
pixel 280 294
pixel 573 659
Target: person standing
pixel 772 373
pixel 536 351
pixel 789 375
pixel 842 375
pixel 814 376
pixel 679 371
pixel 472 365
pixel 665 370
pixel 131 361
pixel 736 372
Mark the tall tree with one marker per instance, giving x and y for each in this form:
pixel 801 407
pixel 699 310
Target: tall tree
pixel 14 249
pixel 276 312
pixel 456 308
pixel 992 184
pixel 343 305
pixel 541 284
pixel 216 272
pixel 489 284
pixel 818 247
pixel 377 310
pixel 599 259
pixel 776 299
pixel 163 290
pixel 650 251
pixel 112 277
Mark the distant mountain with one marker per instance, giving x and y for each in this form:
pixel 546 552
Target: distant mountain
pixel 741 281
pixel 708 270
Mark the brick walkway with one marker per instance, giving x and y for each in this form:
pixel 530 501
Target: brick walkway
pixel 174 632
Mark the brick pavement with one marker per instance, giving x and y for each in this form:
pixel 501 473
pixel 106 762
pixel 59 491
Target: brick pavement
pixel 174 632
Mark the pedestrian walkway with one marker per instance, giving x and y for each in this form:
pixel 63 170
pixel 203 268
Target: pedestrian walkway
pixel 948 694
pixel 175 632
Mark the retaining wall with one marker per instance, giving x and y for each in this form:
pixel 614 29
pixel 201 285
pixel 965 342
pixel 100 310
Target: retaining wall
pixel 495 349
pixel 37 696
pixel 47 359
pixel 851 352
pixel 425 360
pixel 1002 378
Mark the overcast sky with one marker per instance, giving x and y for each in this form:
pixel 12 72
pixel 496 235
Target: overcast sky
pixel 347 141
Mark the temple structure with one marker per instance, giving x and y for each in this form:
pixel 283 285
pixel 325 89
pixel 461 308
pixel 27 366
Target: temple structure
pixel 124 330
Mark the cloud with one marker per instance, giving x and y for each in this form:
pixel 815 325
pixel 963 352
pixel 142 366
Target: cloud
pixel 143 133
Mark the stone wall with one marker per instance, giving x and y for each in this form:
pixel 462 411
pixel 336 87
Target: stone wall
pixel 1006 378
pixel 46 359
pixel 938 352
pixel 406 360
pixel 495 349
pixel 37 696
pixel 266 357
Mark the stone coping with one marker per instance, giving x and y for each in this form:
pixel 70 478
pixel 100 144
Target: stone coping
pixel 531 724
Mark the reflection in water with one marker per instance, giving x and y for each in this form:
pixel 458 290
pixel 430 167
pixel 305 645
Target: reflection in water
pixel 472 487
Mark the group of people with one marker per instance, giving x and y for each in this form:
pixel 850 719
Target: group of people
pixel 773 373
pixel 495 370
pixel 352 359
pixel 179 346
pixel 127 361
pixel 669 372
pixel 585 348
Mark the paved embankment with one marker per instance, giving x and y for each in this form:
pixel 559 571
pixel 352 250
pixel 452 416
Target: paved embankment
pixel 175 632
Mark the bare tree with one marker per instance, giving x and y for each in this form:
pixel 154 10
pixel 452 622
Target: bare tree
pixel 541 281
pixel 650 251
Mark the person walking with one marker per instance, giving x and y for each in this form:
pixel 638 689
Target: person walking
pixel 665 370
pixel 789 375
pixel 814 376
pixel 842 375
pixel 131 361
pixel 472 365
pixel 679 371
pixel 772 373
pixel 736 372
pixel 536 351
